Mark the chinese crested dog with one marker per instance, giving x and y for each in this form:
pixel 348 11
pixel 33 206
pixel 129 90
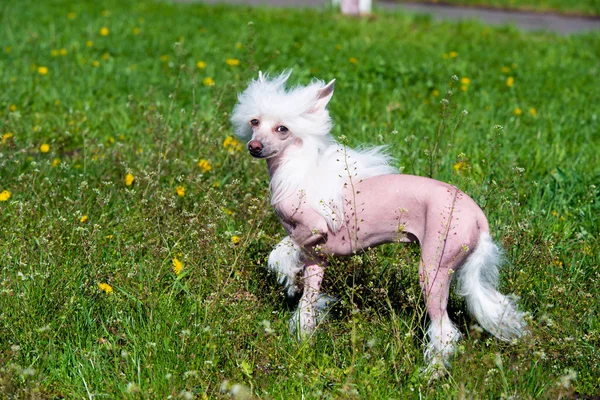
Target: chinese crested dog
pixel 337 201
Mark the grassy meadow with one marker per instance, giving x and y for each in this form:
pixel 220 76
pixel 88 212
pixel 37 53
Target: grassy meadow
pixel 134 229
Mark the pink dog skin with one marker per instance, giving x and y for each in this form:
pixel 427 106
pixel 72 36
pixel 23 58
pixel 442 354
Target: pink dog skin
pixel 440 217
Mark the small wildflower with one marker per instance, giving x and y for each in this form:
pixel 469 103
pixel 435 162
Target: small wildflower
pixel 129 178
pixel 533 112
pixel 465 81
pixel 95 63
pixel 89 43
pixel 180 190
pixel 505 70
pixel 204 165
pixel 105 56
pixel 12 108
pixel 353 60
pixel 238 45
pixel 8 49
pixel 54 52
pixel 208 81
pixel 201 65
pixel 232 62
pixel 63 52
pixel 235 239
pixel 517 111
pixel 453 54
pixel 177 266
pixel 55 162
pixel 6 137
pixel 5 195
pixel 106 288
pixel 435 92
pixel 83 219
pixel 510 81
pixel 104 31
pixel 42 70
pixel 232 144
pixel 464 88
pixel 44 148
pixel 459 166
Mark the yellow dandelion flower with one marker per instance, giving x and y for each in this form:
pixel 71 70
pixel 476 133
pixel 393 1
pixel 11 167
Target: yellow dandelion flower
pixel 54 52
pixel 83 218
pixel 216 184
pixel 136 31
pixel 204 165
pixel 105 56
pixel 465 81
pixel 517 111
pixel 453 54
pixel 208 81
pixel 6 137
pixel 353 60
pixel 129 178
pixel 12 108
pixel 177 266
pixel 55 162
pixel 459 166
pixel 104 31
pixel 89 43
pixel 5 195
pixel 180 190
pixel 95 63
pixel 201 65
pixel 510 81
pixel 235 239
pixel 42 70
pixel 106 288
pixel 435 92
pixel 232 62
pixel 71 15
pixel 63 52
pixel 533 112
pixel 464 88
pixel 44 148
pixel 505 70
pixel 232 144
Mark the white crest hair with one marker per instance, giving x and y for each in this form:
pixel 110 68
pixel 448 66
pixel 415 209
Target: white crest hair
pixel 317 170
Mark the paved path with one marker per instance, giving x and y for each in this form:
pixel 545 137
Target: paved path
pixel 527 21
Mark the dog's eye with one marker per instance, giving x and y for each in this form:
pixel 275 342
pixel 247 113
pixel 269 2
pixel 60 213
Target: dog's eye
pixel 254 122
pixel 282 129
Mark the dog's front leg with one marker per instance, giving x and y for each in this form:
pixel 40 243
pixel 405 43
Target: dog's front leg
pixel 304 319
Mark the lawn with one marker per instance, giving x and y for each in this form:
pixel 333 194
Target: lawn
pixel 134 229
pixel 568 7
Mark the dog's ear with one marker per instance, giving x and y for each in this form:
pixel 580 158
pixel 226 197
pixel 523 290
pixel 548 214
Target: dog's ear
pixel 323 96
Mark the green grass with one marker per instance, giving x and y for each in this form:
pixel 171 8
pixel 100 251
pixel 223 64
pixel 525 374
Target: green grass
pixel 576 7
pixel 135 102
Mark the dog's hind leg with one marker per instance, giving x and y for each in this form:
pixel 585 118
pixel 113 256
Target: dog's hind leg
pixel 304 321
pixel 435 277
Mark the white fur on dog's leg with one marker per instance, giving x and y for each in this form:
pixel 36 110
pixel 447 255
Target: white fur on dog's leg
pixel 442 336
pixel 304 320
pixel 285 261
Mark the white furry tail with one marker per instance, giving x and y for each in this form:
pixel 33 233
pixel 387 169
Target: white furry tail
pixel 477 282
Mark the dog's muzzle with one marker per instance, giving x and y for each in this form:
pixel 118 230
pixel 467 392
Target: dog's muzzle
pixel 255 148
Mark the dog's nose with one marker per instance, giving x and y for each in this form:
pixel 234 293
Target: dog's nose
pixel 255 147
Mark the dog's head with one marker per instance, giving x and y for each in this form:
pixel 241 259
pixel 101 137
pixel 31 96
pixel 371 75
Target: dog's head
pixel 272 118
